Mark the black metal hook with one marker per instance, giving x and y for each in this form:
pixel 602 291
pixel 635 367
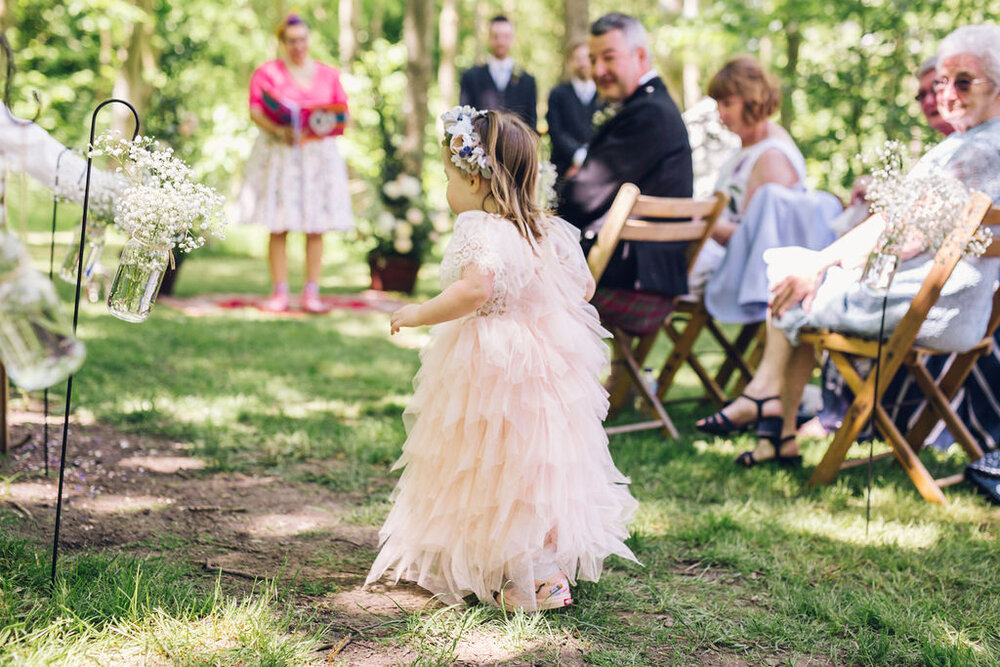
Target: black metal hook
pixel 76 314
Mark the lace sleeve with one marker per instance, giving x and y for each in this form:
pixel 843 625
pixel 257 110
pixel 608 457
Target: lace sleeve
pixel 475 243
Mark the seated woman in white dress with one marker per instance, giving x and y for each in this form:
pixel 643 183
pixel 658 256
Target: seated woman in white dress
pixel 769 207
pixel 826 292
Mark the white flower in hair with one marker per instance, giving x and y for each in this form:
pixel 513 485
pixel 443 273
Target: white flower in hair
pixel 467 152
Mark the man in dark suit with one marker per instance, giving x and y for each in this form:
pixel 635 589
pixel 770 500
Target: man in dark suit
pixel 571 113
pixel 642 140
pixel 499 84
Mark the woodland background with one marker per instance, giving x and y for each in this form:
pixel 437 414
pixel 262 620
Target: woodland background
pixel 185 64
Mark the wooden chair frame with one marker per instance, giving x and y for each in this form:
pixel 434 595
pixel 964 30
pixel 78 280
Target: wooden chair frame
pixel 742 353
pixel 899 351
pixel 629 219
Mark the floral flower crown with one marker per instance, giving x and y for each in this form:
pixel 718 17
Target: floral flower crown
pixel 462 140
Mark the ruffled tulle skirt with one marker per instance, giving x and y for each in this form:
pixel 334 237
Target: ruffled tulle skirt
pixel 300 188
pixel 506 457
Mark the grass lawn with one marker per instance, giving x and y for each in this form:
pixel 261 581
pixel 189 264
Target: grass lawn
pixel 739 567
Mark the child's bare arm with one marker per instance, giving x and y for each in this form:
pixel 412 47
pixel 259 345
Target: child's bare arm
pixel 464 296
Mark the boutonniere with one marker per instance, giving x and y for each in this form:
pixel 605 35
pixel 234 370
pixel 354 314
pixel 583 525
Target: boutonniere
pixel 602 116
pixel 515 76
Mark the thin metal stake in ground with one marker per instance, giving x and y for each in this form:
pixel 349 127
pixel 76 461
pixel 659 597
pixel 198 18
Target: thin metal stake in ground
pixel 76 315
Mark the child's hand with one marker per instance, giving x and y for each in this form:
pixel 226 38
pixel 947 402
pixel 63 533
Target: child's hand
pixel 407 316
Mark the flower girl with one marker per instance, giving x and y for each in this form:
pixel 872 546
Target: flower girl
pixel 508 491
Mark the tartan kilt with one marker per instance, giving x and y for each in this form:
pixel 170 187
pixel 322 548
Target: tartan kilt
pixel 635 313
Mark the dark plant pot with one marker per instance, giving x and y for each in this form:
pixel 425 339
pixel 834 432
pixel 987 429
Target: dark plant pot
pixel 393 273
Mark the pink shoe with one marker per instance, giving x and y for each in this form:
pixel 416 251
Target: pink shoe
pixel 550 593
pixel 278 303
pixel 311 303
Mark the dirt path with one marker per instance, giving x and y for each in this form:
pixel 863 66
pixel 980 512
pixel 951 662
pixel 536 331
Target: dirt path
pixel 150 496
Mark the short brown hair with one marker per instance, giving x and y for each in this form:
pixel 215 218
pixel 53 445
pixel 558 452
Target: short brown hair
pixel 744 77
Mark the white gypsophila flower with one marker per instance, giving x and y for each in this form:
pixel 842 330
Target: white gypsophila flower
pixel 403 245
pixel 919 207
pixel 162 207
pixel 385 223
pixel 409 186
pixel 392 190
pixel 545 187
pixel 414 215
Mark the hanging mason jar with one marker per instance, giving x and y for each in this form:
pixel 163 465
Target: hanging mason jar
pixel 137 281
pixel 96 231
pixel 37 345
pixel 879 271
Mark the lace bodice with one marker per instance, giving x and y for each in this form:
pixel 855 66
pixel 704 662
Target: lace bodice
pixel 493 245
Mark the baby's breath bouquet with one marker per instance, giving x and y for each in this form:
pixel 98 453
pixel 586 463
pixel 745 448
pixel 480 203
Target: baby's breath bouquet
pixel 920 209
pixel 161 209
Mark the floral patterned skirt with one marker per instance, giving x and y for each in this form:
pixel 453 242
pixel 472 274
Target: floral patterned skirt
pixel 296 188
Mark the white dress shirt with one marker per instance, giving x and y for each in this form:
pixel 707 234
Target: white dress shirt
pixel 500 70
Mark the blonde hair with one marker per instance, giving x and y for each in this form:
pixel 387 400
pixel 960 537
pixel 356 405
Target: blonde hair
pixel 745 78
pixel 512 149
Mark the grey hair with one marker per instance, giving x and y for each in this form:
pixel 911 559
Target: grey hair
pixel 980 41
pixel 928 65
pixel 631 27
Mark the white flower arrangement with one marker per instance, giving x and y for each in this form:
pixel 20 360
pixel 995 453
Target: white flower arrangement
pixel 917 207
pixel 400 224
pixel 463 141
pixel 161 206
pixel 545 188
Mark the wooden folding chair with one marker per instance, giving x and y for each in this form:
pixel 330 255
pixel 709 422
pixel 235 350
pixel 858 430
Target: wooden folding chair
pixel 742 353
pixel 940 393
pixel 900 351
pixel 633 217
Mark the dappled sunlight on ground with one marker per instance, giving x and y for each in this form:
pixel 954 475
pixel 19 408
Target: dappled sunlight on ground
pixel 121 504
pixel 162 464
pixel 849 526
pixel 285 524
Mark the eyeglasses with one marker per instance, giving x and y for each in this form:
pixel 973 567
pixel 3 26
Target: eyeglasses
pixel 962 83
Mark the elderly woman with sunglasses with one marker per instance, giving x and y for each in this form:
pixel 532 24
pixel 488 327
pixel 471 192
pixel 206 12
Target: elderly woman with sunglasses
pixel 825 291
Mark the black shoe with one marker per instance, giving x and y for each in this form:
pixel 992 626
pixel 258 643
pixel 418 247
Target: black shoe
pixel 747 459
pixel 720 424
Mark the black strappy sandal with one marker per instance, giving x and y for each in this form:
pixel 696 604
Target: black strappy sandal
pixel 747 459
pixel 720 424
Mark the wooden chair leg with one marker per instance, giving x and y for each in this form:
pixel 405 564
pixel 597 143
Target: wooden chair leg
pixel 632 368
pixel 735 352
pixel 625 347
pixel 939 403
pixel 907 458
pixel 683 352
pixel 949 384
pixel 854 421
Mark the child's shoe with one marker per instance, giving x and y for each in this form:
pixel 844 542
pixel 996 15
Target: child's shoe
pixel 278 303
pixel 311 302
pixel 550 593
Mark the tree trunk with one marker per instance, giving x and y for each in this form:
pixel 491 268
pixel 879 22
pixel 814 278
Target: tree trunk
pixel 690 73
pixel 576 22
pixel 794 38
pixel 448 39
pixel 140 58
pixel 418 37
pixel 348 40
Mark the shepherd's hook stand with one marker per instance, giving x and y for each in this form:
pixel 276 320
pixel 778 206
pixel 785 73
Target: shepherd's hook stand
pixel 76 314
pixel 52 255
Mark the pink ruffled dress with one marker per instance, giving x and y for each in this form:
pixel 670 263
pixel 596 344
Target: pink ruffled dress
pixel 506 456
pixel 300 188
